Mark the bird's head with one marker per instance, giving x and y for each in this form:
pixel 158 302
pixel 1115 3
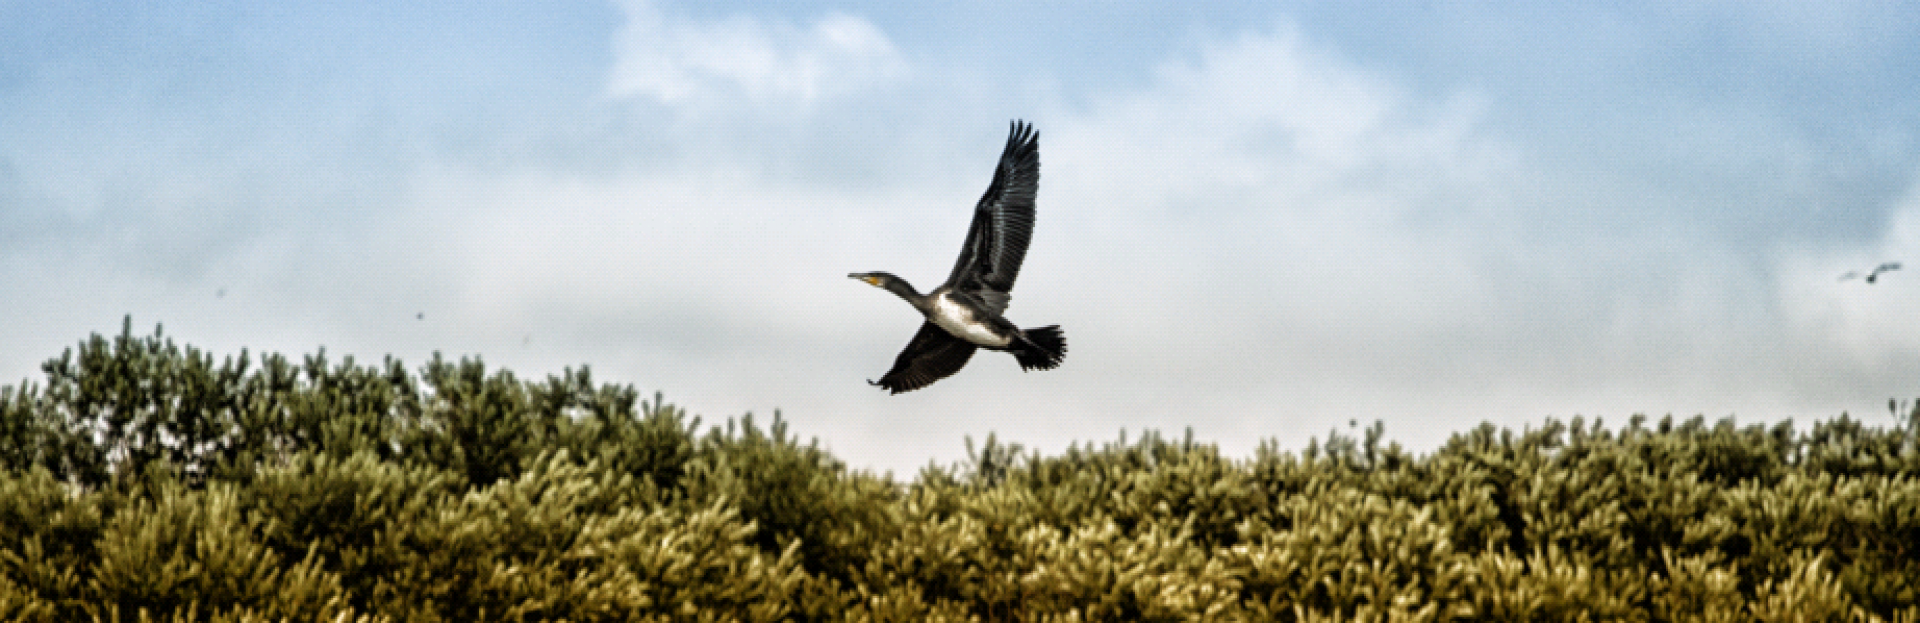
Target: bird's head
pixel 878 280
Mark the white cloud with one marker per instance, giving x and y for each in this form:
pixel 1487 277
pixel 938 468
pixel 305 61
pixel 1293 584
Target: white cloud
pixel 744 59
pixel 1275 186
pixel 1271 231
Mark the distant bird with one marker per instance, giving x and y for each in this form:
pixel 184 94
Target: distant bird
pixel 220 293
pixel 420 316
pixel 1881 269
pixel 1873 275
pixel 964 313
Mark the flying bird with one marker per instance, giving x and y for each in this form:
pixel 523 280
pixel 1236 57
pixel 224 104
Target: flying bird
pixel 964 314
pixel 1873 275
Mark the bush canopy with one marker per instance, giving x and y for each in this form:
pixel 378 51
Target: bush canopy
pixel 143 481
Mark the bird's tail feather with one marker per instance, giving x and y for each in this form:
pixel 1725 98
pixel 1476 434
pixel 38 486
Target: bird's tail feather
pixel 1041 349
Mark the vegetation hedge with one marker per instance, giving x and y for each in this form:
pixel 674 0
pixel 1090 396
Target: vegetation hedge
pixel 146 482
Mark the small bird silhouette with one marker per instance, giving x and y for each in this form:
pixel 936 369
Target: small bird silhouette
pixel 1874 275
pixel 420 316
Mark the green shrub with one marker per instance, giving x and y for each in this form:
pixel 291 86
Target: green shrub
pixel 145 482
pixel 173 550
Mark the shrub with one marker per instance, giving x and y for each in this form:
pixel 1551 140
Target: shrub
pixel 145 482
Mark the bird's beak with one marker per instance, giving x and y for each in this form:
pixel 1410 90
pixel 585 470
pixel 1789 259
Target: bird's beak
pixel 861 277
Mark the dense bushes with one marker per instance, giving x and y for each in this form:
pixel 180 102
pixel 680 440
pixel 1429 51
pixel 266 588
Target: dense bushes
pixel 144 481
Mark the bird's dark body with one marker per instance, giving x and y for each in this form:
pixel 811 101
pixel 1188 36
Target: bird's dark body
pixel 965 313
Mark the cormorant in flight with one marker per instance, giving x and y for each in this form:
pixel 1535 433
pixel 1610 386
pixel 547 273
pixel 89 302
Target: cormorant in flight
pixel 964 313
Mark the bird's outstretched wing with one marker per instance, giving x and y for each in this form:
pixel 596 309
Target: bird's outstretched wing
pixel 1002 223
pixel 1875 275
pixel 933 354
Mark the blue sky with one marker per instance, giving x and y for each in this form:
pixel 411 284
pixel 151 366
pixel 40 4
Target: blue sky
pixel 1260 220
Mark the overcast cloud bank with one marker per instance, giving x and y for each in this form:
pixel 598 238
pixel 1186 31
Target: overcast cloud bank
pixel 1254 227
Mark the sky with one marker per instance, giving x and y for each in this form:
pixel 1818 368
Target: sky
pixel 1258 220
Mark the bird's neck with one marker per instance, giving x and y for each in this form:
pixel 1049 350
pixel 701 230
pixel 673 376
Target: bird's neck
pixel 901 288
